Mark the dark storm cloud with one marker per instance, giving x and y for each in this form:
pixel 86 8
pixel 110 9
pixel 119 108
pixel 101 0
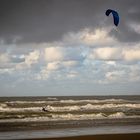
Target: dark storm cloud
pixel 125 34
pixel 49 20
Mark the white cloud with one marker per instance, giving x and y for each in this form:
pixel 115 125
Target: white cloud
pixel 72 57
pixel 54 66
pixel 58 70
pixel 132 54
pixel 4 58
pixel 107 53
pixel 99 37
pixel 88 37
pixel 70 63
pixel 58 65
pixel 30 59
pixel 114 75
pixel 116 53
pixel 54 54
pixel 113 63
pixel 43 74
pixel 5 63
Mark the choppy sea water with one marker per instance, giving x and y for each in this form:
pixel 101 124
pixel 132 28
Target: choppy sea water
pixel 26 113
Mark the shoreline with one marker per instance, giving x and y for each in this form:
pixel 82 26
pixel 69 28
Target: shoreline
pixel 129 136
pixel 96 133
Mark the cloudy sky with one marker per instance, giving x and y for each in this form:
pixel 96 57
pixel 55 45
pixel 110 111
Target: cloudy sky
pixel 69 47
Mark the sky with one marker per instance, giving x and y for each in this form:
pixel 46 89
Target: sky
pixel 69 47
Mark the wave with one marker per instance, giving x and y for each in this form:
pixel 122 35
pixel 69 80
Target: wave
pixel 10 109
pixel 94 101
pixel 25 102
pixel 51 100
pixel 86 107
pixel 3 105
pixel 118 115
pixel 69 116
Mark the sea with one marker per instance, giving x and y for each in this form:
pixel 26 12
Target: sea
pixel 38 117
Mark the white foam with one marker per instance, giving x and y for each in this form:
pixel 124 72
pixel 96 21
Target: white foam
pixel 79 117
pixel 64 108
pixel 52 98
pixel 117 107
pixel 10 109
pixel 3 105
pixel 26 102
pixel 117 115
pixel 58 117
pixel 69 116
pixel 122 107
pixel 93 101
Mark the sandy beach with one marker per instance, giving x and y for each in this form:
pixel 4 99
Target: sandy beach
pixel 134 136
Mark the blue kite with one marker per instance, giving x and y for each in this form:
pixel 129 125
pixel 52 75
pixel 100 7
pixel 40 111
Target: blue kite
pixel 115 16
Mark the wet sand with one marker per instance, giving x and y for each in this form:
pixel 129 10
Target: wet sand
pixel 133 136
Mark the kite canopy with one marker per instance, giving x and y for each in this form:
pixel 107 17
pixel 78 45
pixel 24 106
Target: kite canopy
pixel 115 16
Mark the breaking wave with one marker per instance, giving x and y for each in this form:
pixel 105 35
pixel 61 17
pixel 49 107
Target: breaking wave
pixel 93 101
pixel 10 109
pixel 70 108
pixel 69 116
pixel 51 100
pixel 86 107
pixel 57 110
